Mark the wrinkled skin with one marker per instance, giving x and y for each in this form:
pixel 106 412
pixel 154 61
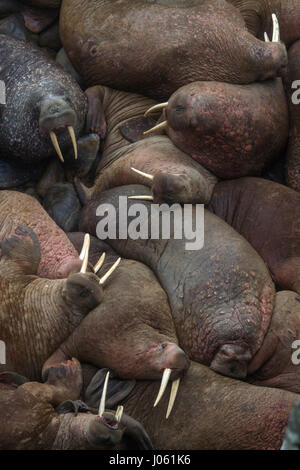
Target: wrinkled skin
pixel 267 214
pixel 225 127
pixel 37 314
pixel 226 280
pixel 258 17
pixel 273 362
pixel 177 178
pixel 213 412
pixel 31 423
pixel 159 47
pixel 48 99
pixel 131 332
pixel 58 257
pixel 293 150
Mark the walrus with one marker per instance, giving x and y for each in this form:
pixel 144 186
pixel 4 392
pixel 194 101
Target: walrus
pixel 45 109
pixel 153 48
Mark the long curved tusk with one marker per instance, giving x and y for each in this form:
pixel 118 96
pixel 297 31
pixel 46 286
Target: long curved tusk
pixel 174 390
pixel 146 175
pixel 160 126
pixel 110 271
pixel 267 39
pixel 73 138
pixel 100 262
pixel 103 398
pixel 145 198
pixel 119 413
pixel 87 241
pixel 84 246
pixel 156 107
pixel 276 29
pixel 56 146
pixel 163 385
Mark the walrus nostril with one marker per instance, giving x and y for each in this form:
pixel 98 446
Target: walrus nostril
pixel 232 360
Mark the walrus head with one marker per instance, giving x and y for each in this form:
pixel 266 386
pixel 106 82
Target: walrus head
pixel 57 117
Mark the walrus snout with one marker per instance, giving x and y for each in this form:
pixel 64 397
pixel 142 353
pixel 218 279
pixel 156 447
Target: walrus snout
pixel 232 360
pixel 56 115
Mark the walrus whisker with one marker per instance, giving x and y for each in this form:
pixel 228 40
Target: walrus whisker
pixel 163 385
pixel 103 397
pixel 160 126
pixel 145 198
pixel 174 390
pixel 73 138
pixel 276 29
pixel 147 175
pixel 110 271
pixel 86 254
pixel 156 107
pixel 100 262
pixel 56 146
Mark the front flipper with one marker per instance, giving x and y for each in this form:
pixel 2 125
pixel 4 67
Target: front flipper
pixel 117 389
pixel 95 121
pixel 65 381
pixel 88 148
pixel 133 130
pixel 23 249
pixel 135 435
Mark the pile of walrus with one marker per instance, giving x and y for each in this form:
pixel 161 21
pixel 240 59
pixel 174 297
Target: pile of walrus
pixel 160 101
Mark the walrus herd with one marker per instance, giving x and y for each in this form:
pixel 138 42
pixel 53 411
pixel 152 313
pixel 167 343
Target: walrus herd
pixel 149 227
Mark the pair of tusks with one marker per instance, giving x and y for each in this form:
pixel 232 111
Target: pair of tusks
pixel 276 30
pixel 56 144
pixel 174 390
pixel 146 175
pixel 158 107
pixel 120 409
pixel 159 126
pixel 84 256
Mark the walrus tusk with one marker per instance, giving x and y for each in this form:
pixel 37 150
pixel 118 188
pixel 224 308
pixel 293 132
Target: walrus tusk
pixel 276 29
pixel 160 126
pixel 163 385
pixel 56 146
pixel 266 37
pixel 174 390
pixel 86 244
pixel 147 175
pixel 100 262
pixel 119 413
pixel 103 398
pixel 110 271
pixel 156 107
pixel 73 138
pixel 145 198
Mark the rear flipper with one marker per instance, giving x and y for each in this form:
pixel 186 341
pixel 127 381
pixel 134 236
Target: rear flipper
pixel 22 249
pixel 95 121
